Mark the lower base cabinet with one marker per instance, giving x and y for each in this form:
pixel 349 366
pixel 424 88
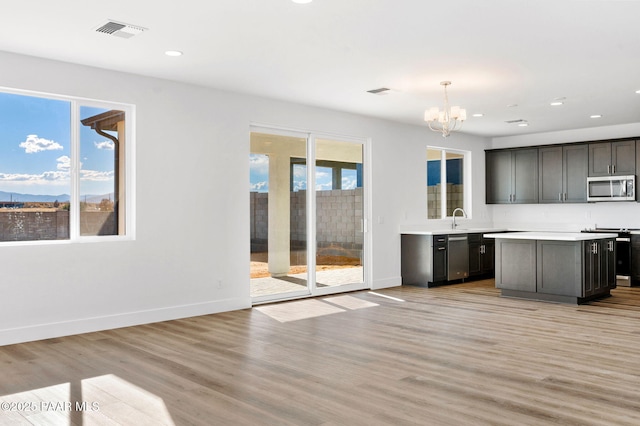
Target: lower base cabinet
pixel 599 267
pixel 425 259
pixel 635 259
pixel 481 256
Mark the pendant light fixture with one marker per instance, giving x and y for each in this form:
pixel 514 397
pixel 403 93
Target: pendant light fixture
pixel 447 120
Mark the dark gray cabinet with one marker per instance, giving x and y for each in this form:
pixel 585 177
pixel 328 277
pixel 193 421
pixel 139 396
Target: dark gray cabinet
pixel 439 258
pixel 559 268
pixel 423 259
pixel 481 255
pixel 516 266
pixel 599 266
pixel 563 174
pixel 555 270
pixel 615 158
pixel 635 260
pixel 512 176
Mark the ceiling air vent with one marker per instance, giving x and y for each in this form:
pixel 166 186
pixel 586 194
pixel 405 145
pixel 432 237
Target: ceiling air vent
pixel 380 91
pixel 120 29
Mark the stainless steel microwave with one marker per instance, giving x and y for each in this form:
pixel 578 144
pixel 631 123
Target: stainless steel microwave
pixel 611 188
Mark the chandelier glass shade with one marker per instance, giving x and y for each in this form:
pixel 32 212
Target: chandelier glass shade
pixel 445 120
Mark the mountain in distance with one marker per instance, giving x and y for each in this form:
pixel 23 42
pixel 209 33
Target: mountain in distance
pixel 32 198
pixel 61 198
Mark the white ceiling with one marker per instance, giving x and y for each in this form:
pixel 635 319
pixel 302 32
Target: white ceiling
pixel 330 52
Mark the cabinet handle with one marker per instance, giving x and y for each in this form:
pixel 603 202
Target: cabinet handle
pixel 565 196
pixel 482 249
pixel 595 248
pixel 610 245
pixel 560 196
pixel 442 248
pixel 613 169
pixel 609 169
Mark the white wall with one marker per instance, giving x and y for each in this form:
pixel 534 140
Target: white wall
pixel 192 205
pixel 567 216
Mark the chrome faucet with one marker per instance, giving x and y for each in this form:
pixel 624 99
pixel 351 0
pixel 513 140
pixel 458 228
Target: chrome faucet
pixel 464 214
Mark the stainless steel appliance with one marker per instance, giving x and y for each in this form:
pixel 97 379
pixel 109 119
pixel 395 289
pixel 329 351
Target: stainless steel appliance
pixel 623 252
pixel 611 188
pixel 458 257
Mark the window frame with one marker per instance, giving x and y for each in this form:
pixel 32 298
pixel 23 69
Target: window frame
pixel 127 170
pixel 466 180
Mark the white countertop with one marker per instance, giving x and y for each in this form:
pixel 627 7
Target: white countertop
pixel 552 236
pixel 454 231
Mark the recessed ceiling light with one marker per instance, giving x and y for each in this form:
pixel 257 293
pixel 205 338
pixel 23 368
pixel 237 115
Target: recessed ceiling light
pixel 479 114
pixel 556 103
pixel 173 53
pixel 638 92
pixel 523 124
pixel 596 116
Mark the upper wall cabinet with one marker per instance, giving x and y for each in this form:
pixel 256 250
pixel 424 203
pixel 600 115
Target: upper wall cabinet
pixel 612 158
pixel 563 174
pixel 512 176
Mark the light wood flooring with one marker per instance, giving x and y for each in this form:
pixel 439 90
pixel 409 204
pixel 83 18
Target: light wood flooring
pixel 454 355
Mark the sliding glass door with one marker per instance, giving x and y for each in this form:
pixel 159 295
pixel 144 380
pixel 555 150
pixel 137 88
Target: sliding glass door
pixel 339 212
pixel 307 222
pixel 278 202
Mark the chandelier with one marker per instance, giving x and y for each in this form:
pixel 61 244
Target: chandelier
pixel 447 120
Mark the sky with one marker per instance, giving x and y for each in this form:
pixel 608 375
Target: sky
pixel 35 148
pixel 259 176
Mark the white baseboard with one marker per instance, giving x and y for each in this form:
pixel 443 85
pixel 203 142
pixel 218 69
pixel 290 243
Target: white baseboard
pixel 88 325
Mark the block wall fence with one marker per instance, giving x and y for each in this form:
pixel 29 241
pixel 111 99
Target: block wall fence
pixel 338 221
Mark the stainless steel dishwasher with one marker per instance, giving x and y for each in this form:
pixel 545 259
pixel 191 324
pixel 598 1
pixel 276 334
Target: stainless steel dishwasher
pixel 458 254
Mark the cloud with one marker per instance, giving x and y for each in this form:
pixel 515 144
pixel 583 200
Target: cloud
pixel 322 174
pixel 35 144
pixel 259 163
pixel 108 145
pixel 96 176
pixel 64 163
pixel 55 177
pixel 349 183
pixel 299 171
pixel 260 186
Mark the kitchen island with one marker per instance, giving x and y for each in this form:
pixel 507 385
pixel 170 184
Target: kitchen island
pixel 565 267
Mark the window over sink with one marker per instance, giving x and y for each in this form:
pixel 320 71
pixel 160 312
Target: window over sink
pixel 446 178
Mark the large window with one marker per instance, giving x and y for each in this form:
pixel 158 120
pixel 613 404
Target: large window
pixel 445 182
pixel 63 168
